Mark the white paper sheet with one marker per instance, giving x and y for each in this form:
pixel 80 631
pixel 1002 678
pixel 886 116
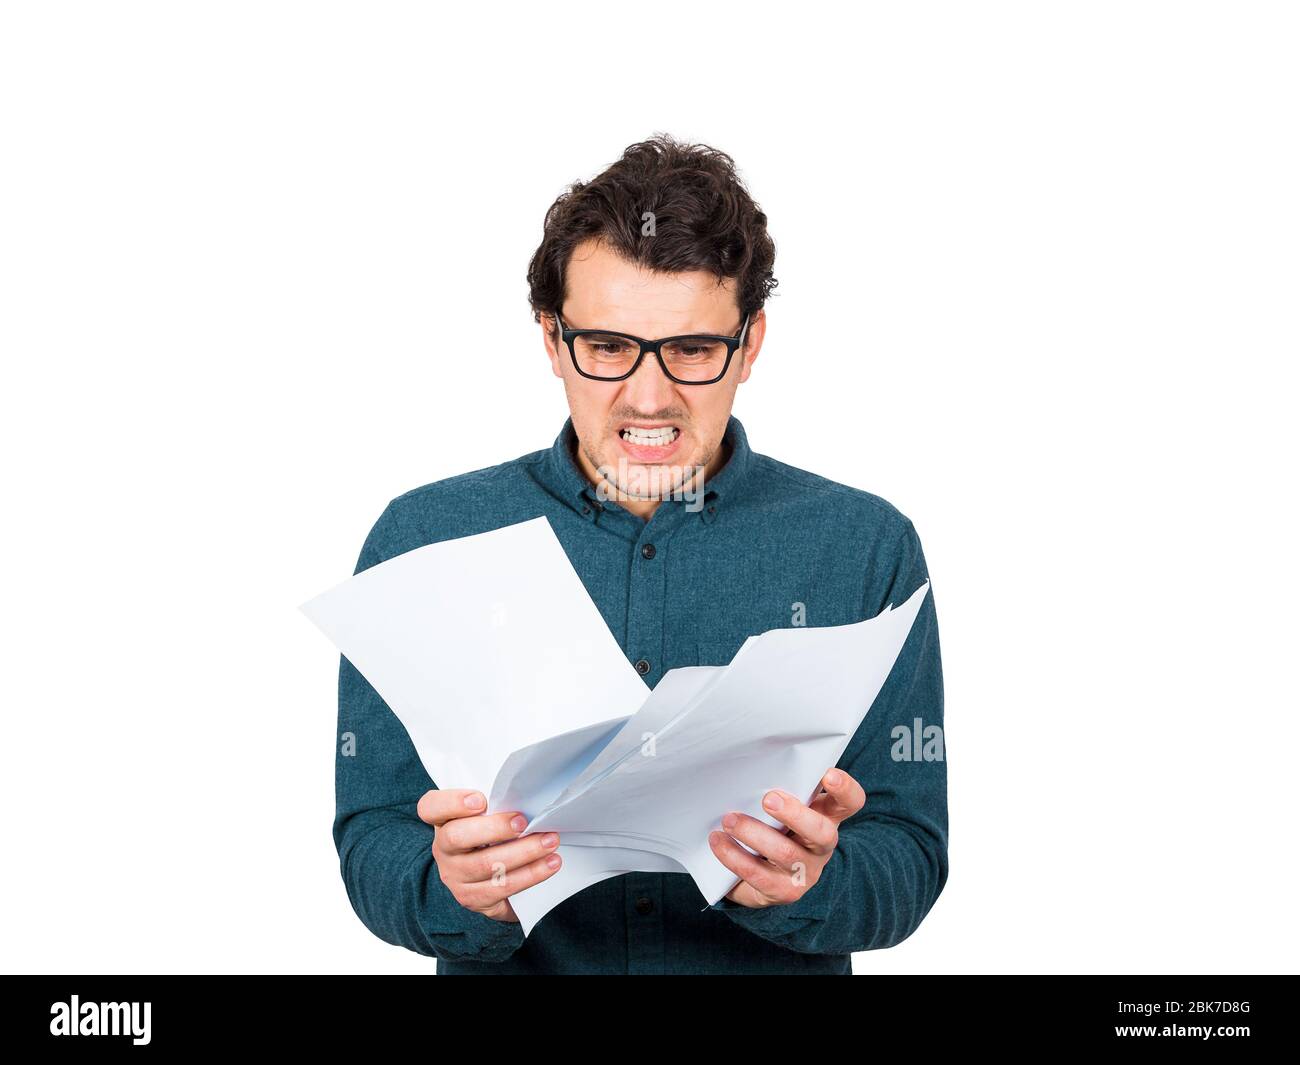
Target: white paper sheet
pixel 779 716
pixel 480 646
pixel 495 659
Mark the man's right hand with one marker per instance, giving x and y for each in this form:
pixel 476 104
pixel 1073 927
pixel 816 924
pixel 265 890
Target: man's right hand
pixel 481 857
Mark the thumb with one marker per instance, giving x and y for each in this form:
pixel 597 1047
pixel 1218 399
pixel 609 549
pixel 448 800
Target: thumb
pixel 842 798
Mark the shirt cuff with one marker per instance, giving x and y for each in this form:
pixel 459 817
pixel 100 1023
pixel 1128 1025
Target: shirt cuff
pixel 475 937
pixel 812 905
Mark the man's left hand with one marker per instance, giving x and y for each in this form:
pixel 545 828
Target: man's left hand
pixel 787 864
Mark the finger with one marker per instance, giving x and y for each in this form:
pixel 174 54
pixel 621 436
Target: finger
pixel 745 895
pixel 814 828
pixel 483 863
pixel 503 912
pixel 780 848
pixel 439 806
pixel 842 798
pixel 773 884
pixel 487 895
pixel 467 833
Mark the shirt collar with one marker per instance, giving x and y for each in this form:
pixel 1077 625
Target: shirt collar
pixel 567 479
pixel 727 482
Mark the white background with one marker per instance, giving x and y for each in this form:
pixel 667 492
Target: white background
pixel 1038 277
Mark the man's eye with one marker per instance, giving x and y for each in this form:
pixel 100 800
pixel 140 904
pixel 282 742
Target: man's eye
pixel 702 349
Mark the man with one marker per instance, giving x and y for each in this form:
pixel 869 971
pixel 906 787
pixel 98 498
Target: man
pixel 649 287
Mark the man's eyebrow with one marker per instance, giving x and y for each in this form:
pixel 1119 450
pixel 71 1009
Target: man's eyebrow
pixel 625 333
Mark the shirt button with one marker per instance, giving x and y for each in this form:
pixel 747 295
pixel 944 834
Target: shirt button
pixel 648 551
pixel 642 666
pixel 644 906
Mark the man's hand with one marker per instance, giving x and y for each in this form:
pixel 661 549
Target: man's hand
pixel 482 858
pixel 788 864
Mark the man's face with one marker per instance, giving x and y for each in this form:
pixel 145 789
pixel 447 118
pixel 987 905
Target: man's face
pixel 680 426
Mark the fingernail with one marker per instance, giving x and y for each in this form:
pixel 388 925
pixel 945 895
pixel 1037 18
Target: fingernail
pixel 518 822
pixel 773 801
pixel 553 861
pixel 715 838
pixel 832 779
pixel 474 801
pixel 729 821
pixel 550 840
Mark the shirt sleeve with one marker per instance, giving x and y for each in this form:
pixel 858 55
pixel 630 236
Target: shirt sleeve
pixel 385 850
pixel 891 861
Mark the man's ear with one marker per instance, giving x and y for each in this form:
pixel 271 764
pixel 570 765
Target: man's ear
pixel 553 343
pixel 753 343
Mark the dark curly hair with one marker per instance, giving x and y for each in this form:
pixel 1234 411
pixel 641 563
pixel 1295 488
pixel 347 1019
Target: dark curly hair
pixel 704 219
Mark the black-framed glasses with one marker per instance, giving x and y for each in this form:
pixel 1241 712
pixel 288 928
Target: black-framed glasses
pixel 691 359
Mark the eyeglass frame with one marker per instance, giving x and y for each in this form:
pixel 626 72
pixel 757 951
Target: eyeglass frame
pixel 733 342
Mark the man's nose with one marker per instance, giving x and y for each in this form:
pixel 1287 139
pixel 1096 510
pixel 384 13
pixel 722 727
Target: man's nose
pixel 649 388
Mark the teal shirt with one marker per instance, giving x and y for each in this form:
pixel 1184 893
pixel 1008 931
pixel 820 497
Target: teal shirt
pixel 766 546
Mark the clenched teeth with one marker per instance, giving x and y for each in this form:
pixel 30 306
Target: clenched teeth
pixel 659 437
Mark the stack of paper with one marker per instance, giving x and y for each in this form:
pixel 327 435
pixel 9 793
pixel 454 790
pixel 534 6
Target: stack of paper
pixel 493 656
